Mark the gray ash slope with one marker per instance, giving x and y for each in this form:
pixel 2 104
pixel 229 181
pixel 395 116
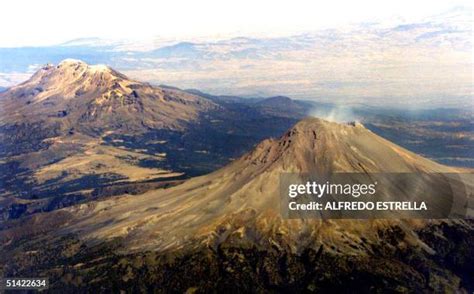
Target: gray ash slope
pixel 223 231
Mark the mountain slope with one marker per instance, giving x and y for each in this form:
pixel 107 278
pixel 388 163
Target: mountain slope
pixel 285 105
pixel 212 207
pixel 54 132
pixel 97 98
pixel 225 229
pixel 74 130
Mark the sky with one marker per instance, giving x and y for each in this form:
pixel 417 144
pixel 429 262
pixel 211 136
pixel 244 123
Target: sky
pixel 48 22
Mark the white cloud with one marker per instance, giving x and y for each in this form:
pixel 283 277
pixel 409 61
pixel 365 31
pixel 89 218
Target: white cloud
pixel 12 78
pixel 33 68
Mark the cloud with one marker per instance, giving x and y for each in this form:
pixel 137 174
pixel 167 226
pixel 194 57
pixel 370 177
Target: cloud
pixel 11 79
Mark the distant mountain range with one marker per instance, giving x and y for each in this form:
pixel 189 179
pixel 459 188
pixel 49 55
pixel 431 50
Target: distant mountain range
pixel 358 63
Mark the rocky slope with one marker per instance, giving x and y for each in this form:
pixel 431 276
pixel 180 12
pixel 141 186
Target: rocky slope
pixel 242 199
pixel 53 131
pixel 97 98
pixel 225 229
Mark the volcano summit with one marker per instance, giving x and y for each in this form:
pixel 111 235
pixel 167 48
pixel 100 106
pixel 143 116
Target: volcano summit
pixel 97 98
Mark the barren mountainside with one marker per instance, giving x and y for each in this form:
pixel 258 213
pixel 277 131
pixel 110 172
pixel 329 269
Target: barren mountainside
pixel 96 97
pixel 226 227
pixel 241 201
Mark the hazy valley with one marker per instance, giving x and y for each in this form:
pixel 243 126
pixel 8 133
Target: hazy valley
pixel 385 61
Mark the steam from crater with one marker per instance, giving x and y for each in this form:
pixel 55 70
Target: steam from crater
pixel 336 113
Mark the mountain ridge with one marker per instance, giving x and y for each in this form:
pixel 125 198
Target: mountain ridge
pixel 100 97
